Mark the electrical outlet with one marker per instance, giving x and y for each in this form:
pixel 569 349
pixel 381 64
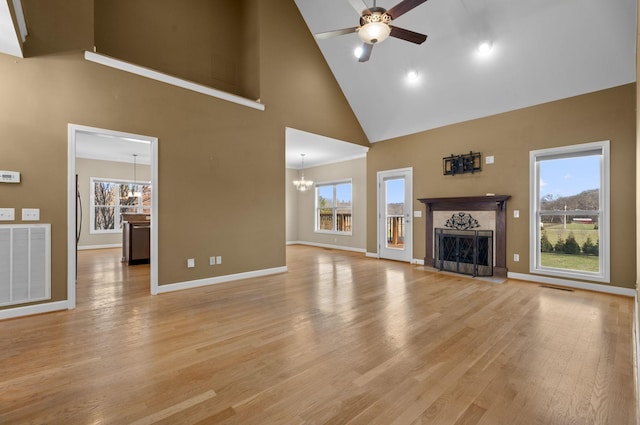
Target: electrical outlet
pixel 191 263
pixel 7 214
pixel 219 259
pixel 30 214
pixel 516 257
pixel 212 261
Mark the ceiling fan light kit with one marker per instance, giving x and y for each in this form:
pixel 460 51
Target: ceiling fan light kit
pixel 375 26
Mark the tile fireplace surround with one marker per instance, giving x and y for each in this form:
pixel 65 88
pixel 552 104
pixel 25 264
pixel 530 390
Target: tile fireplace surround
pixel 496 203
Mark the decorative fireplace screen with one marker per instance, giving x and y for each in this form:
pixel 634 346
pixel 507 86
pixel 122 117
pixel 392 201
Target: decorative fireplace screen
pixel 464 251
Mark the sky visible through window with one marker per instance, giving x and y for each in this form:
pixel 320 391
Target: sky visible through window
pixel 569 176
pixel 395 191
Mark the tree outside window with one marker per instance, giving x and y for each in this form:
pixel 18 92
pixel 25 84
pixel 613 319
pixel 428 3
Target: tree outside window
pixel 110 199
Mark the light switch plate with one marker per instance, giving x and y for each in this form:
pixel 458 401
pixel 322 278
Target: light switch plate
pixel 516 213
pixel 191 263
pixel 30 214
pixel 7 214
pixel 489 160
pixel 417 213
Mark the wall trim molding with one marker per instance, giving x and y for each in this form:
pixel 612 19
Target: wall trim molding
pixel 168 79
pixel 418 261
pixel 372 255
pixel 106 246
pixel 596 287
pixel 219 279
pixel 29 310
pixel 324 245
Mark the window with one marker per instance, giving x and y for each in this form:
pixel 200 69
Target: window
pixel 110 198
pixel 570 211
pixel 333 207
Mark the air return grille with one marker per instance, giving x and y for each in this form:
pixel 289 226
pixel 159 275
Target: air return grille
pixel 25 263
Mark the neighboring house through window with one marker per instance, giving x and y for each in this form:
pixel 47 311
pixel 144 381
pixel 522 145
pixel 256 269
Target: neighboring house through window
pixel 334 207
pixel 570 211
pixel 111 198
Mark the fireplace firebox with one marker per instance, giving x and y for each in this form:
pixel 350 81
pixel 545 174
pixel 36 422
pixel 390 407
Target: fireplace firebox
pixel 464 251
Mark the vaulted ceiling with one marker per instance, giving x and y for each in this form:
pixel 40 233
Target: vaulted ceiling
pixel 542 50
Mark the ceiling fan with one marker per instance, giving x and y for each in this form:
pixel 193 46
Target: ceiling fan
pixel 374 25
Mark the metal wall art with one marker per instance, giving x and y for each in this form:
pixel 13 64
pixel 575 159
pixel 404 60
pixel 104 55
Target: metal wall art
pixel 462 221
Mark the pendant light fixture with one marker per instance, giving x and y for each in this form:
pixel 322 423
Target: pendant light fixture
pixel 135 192
pixel 302 185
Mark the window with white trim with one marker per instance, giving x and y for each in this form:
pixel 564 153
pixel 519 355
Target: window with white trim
pixel 570 211
pixel 334 207
pixel 111 198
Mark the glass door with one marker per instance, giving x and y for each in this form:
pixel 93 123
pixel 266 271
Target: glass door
pixel 394 212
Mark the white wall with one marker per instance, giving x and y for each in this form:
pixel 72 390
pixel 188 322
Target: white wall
pixel 301 206
pixel 87 168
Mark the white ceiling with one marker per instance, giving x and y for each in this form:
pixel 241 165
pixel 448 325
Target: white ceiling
pixel 318 150
pixel 543 50
pixel 109 148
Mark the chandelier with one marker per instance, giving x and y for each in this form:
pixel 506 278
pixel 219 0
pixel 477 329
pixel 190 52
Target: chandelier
pixel 302 185
pixel 135 189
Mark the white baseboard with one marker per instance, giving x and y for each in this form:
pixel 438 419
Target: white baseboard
pixel 219 279
pixel 87 247
pixel 324 245
pixel 596 287
pixel 372 255
pixel 29 310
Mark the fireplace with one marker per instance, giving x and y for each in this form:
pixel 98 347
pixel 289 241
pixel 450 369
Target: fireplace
pixel 464 251
pixel 493 203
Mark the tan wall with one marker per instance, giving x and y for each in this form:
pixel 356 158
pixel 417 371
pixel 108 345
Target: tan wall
pixel 605 115
pixel 221 165
pixel 88 168
pixel 354 170
pixel 181 40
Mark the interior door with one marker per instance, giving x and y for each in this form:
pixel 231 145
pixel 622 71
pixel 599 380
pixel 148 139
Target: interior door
pixel 395 208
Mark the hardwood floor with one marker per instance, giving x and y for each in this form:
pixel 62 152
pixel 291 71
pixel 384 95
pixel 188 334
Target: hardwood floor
pixel 339 339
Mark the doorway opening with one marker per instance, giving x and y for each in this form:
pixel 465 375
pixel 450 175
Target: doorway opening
pixel 93 149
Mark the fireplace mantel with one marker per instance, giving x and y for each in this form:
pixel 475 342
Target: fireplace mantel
pixel 497 203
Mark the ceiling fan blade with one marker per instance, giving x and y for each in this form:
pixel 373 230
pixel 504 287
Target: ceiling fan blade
pixel 329 34
pixel 360 7
pixel 403 34
pixel 366 52
pixel 403 7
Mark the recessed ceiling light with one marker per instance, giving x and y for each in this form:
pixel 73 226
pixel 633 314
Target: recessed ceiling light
pixel 485 48
pixel 357 52
pixel 413 76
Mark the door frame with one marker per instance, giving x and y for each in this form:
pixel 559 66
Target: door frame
pixel 407 173
pixel 73 129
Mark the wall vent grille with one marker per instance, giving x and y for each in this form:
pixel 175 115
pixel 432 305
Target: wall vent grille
pixel 25 263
